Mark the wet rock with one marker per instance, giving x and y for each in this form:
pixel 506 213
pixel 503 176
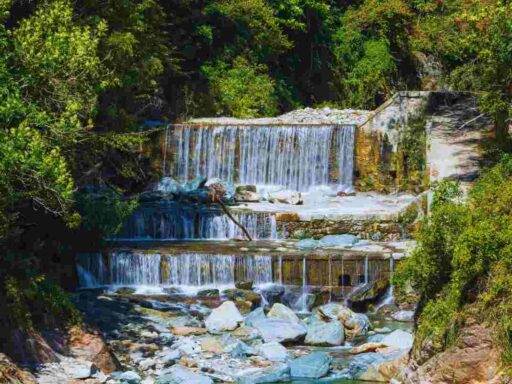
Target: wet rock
pixel 387 309
pixel 307 244
pixel 125 291
pixel 405 316
pixel 324 333
pixel 287 217
pixel 180 375
pixel 286 197
pixel 383 330
pixel 169 185
pixel 224 318
pixel 188 331
pixel 370 292
pixel 161 305
pixel 273 294
pixel 277 372
pixel 282 331
pixel 282 312
pixel 247 285
pixel 198 182
pixel 338 241
pixel 314 366
pixel 399 339
pixel 243 294
pixel 273 351
pixel 150 196
pixel 208 293
pixel 243 188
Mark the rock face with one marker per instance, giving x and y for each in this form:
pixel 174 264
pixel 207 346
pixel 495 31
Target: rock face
pixel 473 359
pixel 314 366
pixel 226 317
pixel 281 331
pixel 12 374
pixel 282 312
pixel 324 333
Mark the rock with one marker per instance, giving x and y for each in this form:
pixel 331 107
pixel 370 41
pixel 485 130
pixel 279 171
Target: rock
pixel 287 217
pixel 399 339
pixel 387 309
pixel 90 346
pixel 151 196
pixel 243 188
pixel 193 185
pixel 247 285
pixel 356 323
pixel 282 312
pixel 273 351
pixel 286 197
pixel 338 241
pixel 208 293
pixel 314 366
pixel 187 346
pixel 169 185
pixel 129 377
pixel 10 373
pixel 146 364
pixel 247 197
pixel 246 333
pixel 226 317
pixel 307 244
pixel 282 331
pixel 185 321
pixel 180 375
pixel 383 330
pixel 368 347
pixel 370 292
pixel 323 333
pixel 222 344
pixel 375 367
pixel 188 331
pixel 160 305
pixel 243 294
pixel 405 316
pixel 273 294
pixel 78 369
pixel 257 315
pixel 275 373
pixel 125 291
pixel 169 356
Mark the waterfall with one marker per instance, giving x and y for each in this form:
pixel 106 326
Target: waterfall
pixel 188 270
pixel 296 157
pixel 172 221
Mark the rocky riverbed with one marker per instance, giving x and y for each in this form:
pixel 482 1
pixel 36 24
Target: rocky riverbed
pixel 232 337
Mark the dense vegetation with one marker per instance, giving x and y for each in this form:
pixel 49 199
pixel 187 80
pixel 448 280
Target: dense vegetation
pixel 461 267
pixel 79 78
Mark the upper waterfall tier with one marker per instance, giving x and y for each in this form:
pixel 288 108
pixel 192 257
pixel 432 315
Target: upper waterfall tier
pixel 294 156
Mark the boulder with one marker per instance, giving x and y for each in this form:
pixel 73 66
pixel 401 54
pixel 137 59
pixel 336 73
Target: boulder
pixel 338 241
pixel 368 347
pixel 358 324
pixel 244 188
pixel 180 375
pixel 247 285
pixel 282 331
pixel 282 312
pixel 198 182
pixel 185 321
pixel 405 316
pixel 226 317
pixel 355 323
pixel 130 377
pixel 307 244
pixel 246 333
pixel 370 292
pixel 244 295
pixel 286 197
pixel 273 351
pixel 255 316
pixel 324 333
pixel 90 346
pixel 312 366
pixel 224 344
pixel 399 339
pixel 275 373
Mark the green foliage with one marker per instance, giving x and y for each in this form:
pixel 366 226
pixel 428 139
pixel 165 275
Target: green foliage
pixel 462 261
pixel 37 296
pixel 242 90
pixel 104 212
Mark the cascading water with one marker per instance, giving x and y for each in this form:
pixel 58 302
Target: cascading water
pixel 172 221
pixel 187 270
pixel 296 157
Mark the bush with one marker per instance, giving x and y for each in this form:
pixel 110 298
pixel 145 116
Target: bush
pixel 462 261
